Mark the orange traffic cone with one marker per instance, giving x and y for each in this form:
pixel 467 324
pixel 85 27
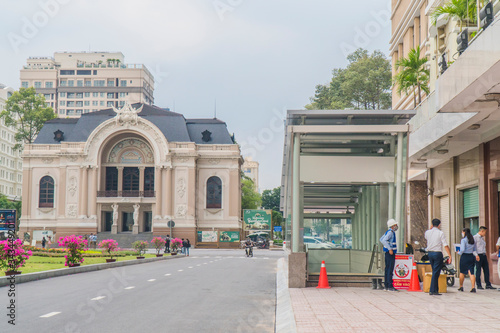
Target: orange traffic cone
pixel 414 283
pixel 323 278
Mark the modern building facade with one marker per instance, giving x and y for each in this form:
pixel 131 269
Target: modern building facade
pixel 11 166
pixel 132 170
pixel 75 83
pixel 250 169
pixel 342 165
pixel 455 138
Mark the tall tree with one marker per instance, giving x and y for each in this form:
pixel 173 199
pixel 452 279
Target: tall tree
pixel 26 111
pixel 364 84
pixel 250 198
pixel 271 199
pixel 412 75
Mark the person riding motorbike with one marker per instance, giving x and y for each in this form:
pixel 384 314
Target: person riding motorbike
pixel 249 247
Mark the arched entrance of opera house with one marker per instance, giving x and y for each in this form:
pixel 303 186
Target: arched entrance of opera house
pixel 126 187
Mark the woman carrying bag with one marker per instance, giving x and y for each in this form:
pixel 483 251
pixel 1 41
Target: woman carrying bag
pixel 467 259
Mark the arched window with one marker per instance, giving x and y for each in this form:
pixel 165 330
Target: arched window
pixel 214 192
pixel 46 198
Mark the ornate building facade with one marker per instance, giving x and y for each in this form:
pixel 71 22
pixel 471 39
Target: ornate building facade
pixel 132 170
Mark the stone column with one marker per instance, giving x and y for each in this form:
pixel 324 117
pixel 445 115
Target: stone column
pixel 120 179
pixel 83 192
pixel 115 216
pixel 93 193
pixel 61 193
pixel 158 193
pixel 233 193
pixel 168 193
pixel 26 203
pixel 191 192
pixel 141 178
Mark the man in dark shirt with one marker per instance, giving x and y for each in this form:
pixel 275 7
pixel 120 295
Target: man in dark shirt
pixel 167 244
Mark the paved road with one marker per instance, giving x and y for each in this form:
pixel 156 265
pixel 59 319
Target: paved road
pixel 210 291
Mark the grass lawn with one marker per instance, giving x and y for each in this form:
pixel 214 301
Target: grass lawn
pixel 39 264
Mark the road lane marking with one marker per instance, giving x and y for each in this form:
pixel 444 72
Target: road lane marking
pixel 128 288
pixel 198 265
pixel 50 314
pixel 204 263
pixel 168 274
pixel 151 280
pixel 206 257
pixel 190 267
pixel 180 270
pixel 97 298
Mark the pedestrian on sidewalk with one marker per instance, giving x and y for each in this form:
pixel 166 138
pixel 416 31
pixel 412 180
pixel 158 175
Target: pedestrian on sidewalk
pixel 183 246
pixel 167 244
pixel 498 254
pixel 467 259
pixel 435 243
pixel 44 241
pixel 390 249
pixel 188 245
pixel 482 259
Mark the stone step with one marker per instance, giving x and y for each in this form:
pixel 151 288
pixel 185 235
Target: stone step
pixel 125 240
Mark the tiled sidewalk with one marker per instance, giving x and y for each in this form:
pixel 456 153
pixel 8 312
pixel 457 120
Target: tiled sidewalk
pixel 366 310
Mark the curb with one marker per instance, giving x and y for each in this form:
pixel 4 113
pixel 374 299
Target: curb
pixel 6 280
pixel 285 318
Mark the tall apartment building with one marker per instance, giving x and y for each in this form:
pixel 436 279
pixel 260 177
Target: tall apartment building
pixel 455 135
pixel 11 165
pixel 251 169
pixel 75 83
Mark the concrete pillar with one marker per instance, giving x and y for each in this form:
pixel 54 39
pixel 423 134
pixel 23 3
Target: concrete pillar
pixel 399 192
pixel 141 178
pixel 158 190
pixel 120 180
pixel 191 191
pixel 234 192
pixel 168 193
pixel 26 203
pixel 84 191
pixel 61 193
pixel 93 193
pixel 296 193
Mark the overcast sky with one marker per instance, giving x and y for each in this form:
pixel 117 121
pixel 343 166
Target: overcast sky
pixel 256 58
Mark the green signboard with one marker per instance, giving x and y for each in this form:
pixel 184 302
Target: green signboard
pixel 229 236
pixel 257 219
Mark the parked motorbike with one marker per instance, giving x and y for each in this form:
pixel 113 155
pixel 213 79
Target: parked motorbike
pixel 262 243
pixel 447 269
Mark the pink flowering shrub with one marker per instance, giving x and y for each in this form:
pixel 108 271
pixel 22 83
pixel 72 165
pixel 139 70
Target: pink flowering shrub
pixel 75 245
pixel 109 245
pixel 140 247
pixel 175 244
pixel 13 255
pixel 159 244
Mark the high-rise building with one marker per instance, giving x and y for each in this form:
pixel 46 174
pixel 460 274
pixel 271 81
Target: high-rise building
pixel 251 169
pixel 454 164
pixel 75 83
pixel 11 166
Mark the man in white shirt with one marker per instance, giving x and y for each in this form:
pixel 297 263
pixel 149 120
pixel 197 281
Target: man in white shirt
pixel 482 259
pixel 435 243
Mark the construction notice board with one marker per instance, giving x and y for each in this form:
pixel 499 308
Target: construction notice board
pixel 402 271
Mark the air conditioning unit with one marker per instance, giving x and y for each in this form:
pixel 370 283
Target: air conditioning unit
pixel 486 15
pixel 463 40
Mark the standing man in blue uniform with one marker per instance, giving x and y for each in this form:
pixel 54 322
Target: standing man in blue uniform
pixel 390 249
pixel 435 243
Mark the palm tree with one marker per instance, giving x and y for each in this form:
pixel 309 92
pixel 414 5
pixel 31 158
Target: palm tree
pixel 462 10
pixel 412 75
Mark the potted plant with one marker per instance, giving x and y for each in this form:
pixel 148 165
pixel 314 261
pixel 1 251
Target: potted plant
pixel 412 75
pixel 140 248
pixel 109 246
pixel 159 244
pixel 465 11
pixel 75 246
pixel 175 244
pixel 13 256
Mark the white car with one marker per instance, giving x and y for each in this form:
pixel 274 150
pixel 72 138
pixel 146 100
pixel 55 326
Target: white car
pixel 313 243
